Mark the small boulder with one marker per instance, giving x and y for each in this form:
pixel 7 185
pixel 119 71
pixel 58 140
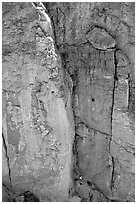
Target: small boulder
pixel 100 39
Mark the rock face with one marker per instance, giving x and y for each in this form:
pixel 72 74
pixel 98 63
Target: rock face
pixel 38 128
pixel 97 49
pixel 68 101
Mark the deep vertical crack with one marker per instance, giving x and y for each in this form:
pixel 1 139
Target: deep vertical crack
pixel 113 93
pixel 76 174
pixel 52 23
pixel 113 173
pixel 8 162
pixel 114 89
pixel 112 111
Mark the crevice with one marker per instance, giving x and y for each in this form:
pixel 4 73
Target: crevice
pixel 10 195
pixel 122 146
pixel 109 198
pixel 8 162
pixel 54 32
pixel 76 174
pixel 65 44
pixel 53 23
pixel 113 173
pixel 112 112
pixel 88 127
pixel 76 170
pixel 95 25
pixel 113 92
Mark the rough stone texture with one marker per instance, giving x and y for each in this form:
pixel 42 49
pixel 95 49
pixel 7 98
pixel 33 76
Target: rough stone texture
pixel 87 70
pixel 97 48
pixel 100 39
pixel 38 129
pixel 93 95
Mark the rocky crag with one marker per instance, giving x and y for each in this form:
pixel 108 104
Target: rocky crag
pixel 68 101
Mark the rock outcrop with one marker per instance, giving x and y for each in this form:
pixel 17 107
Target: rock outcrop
pixel 38 127
pixel 97 49
pixel 68 101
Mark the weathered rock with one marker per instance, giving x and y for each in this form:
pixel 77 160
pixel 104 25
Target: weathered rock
pixel 95 89
pixel 38 125
pixel 94 159
pixel 102 82
pixel 122 60
pixel 100 39
pixel 123 141
pixel 94 68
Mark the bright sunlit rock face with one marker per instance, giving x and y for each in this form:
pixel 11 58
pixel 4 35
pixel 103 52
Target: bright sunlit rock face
pixel 38 125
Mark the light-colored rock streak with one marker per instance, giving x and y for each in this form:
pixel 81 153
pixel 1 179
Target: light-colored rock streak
pixel 65 134
pixel 44 20
pixel 41 8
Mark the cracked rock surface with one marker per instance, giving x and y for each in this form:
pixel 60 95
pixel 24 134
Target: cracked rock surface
pixel 68 102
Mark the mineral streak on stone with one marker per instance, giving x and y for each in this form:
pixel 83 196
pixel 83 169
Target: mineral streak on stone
pixel 44 20
pixel 68 101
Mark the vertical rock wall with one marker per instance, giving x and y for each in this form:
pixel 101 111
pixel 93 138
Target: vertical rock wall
pixel 68 101
pixel 38 128
pixel 96 42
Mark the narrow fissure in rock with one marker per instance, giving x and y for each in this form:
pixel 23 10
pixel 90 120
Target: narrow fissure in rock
pixel 112 109
pixel 114 90
pixel 8 162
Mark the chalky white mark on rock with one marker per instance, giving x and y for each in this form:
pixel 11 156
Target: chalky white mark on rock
pixel 44 20
pixel 41 8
